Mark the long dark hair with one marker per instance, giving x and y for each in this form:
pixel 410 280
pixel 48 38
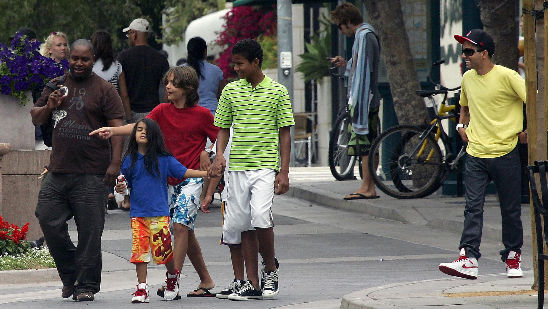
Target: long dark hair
pixel 196 49
pixel 103 48
pixel 155 147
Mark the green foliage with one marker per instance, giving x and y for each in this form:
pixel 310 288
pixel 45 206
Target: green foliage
pixel 32 259
pixel 10 248
pixel 77 18
pixel 181 13
pixel 270 51
pixel 314 64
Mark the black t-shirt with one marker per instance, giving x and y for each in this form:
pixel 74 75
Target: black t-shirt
pixel 144 68
pixel 88 106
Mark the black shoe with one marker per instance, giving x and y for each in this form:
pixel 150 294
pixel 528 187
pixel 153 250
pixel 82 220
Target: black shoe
pixel 111 204
pixel 67 291
pixel 247 292
pixel 233 287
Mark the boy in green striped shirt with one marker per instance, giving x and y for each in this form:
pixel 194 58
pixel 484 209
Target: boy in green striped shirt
pixel 259 109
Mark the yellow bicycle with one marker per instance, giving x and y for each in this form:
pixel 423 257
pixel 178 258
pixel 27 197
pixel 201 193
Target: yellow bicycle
pixel 413 161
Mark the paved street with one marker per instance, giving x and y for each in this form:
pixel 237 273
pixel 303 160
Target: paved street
pixel 324 253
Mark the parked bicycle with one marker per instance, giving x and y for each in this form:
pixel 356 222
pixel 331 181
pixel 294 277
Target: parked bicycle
pixel 340 163
pixel 413 161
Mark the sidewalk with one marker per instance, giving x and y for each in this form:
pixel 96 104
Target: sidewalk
pixel 436 211
pixel 315 184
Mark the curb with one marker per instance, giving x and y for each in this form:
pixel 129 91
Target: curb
pixel 29 276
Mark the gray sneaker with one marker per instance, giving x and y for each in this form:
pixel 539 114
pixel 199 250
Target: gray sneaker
pixel 233 287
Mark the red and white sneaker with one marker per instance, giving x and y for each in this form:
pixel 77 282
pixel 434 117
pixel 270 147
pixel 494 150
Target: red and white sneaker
pixel 463 267
pixel 141 295
pixel 171 291
pixel 513 265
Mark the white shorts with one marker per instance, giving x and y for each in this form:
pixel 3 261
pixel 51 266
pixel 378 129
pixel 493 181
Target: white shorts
pixel 229 238
pixel 249 200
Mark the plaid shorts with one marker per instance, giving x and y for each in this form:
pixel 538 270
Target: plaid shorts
pixel 151 236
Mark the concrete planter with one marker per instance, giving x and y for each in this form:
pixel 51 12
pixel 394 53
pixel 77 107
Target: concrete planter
pixel 16 127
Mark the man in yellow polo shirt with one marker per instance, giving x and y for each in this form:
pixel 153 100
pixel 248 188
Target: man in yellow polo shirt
pixel 491 121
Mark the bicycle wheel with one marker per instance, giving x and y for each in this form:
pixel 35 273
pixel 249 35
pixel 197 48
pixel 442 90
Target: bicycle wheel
pixel 411 166
pixel 340 163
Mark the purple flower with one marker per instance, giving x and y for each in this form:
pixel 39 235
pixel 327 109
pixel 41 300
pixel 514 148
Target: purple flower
pixel 22 68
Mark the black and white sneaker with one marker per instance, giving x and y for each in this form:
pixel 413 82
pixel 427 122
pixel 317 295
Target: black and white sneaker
pixel 270 284
pixel 263 266
pixel 233 287
pixel 247 292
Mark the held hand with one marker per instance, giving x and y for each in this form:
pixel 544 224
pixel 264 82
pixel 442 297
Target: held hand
pixel 104 132
pixel 204 205
pixel 120 188
pixel 55 99
pixel 113 171
pixel 463 136
pixel 338 61
pixel 217 168
pixel 205 162
pixel 281 183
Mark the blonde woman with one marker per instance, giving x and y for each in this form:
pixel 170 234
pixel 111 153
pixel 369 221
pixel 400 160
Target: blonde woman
pixel 55 46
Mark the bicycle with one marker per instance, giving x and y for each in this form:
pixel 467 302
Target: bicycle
pixel 340 163
pixel 408 161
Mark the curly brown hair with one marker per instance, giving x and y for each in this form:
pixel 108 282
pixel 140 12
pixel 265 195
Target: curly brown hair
pixel 185 77
pixel 346 13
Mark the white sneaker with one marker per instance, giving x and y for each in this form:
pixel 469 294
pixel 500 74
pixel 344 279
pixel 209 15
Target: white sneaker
pixel 463 267
pixel 141 295
pixel 513 265
pixel 171 291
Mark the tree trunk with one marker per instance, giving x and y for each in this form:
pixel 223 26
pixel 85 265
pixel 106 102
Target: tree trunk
pixel 396 53
pixel 500 21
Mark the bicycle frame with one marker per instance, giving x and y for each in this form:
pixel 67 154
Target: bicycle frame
pixel 444 112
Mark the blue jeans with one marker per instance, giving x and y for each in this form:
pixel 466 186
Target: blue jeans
pixel 82 196
pixel 505 171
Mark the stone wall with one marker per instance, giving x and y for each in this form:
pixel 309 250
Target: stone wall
pixel 19 186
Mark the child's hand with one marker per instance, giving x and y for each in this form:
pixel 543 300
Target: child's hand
pixel 104 132
pixel 120 188
pixel 204 205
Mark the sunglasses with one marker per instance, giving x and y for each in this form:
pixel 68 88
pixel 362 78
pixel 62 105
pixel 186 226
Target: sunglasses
pixel 470 51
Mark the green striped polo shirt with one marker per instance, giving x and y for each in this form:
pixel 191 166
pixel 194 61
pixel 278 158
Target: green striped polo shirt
pixel 256 115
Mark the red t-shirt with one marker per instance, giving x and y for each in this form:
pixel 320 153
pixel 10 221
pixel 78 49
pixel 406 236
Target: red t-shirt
pixel 185 132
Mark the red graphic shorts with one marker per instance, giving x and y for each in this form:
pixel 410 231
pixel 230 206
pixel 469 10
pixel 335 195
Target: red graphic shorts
pixel 151 236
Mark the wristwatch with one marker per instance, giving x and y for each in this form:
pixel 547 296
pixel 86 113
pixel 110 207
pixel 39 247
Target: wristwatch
pixel 461 125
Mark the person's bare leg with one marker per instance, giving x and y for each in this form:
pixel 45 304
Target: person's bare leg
pixel 196 258
pixel 250 250
pixel 237 259
pixel 141 269
pixel 367 187
pixel 180 247
pixel 266 244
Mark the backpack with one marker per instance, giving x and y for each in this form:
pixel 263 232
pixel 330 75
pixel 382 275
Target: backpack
pixel 47 128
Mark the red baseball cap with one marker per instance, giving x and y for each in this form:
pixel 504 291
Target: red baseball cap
pixel 479 38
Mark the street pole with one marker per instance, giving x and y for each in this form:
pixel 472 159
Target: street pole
pixel 285 56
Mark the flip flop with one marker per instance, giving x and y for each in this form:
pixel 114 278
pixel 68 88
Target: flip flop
pixel 206 293
pixel 359 196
